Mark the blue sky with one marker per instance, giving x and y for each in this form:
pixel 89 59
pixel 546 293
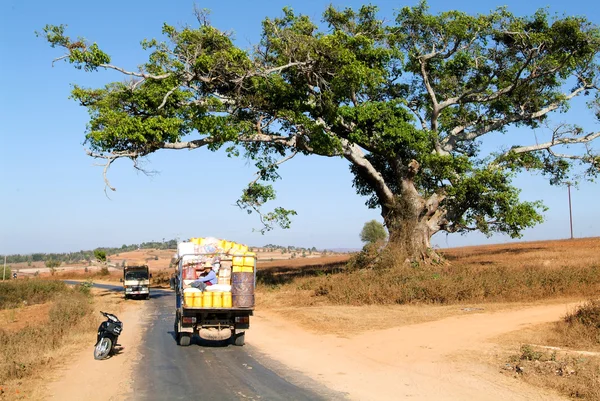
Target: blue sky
pixel 52 194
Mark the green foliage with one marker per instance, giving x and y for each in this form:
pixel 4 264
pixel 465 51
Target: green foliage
pixel 51 263
pixel 86 286
pixel 6 273
pixel 100 255
pixel 372 232
pixel 423 90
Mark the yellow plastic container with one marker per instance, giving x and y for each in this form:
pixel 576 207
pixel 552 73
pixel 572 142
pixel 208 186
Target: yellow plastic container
pixel 188 298
pixel 237 269
pixel 247 269
pixel 207 299
pixel 197 299
pixel 217 299
pixel 249 259
pixel 243 248
pixel 227 300
pixel 238 259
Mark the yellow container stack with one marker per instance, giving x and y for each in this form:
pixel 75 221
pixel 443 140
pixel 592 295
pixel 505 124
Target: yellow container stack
pixel 227 300
pixel 207 299
pixel 249 258
pixel 238 262
pixel 217 299
pixel 197 299
pixel 235 275
pixel 188 298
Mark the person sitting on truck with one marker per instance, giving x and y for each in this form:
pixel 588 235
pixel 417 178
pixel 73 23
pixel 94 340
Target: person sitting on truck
pixel 206 278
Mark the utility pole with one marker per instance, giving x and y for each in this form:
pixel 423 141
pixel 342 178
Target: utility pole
pixel 570 213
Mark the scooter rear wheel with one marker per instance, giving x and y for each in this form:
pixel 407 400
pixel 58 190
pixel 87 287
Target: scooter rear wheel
pixel 103 348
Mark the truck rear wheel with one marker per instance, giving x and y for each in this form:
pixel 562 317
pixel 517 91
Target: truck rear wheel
pixel 184 339
pixel 239 339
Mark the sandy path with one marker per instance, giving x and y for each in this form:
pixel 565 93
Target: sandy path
pixel 428 361
pixel 88 379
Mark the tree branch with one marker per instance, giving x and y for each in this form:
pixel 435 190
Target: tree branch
pixel 555 142
pixel 459 134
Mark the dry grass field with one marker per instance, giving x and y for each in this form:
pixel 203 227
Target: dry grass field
pixel 575 253
pixel 41 323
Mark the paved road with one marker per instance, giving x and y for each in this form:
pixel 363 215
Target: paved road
pixel 207 370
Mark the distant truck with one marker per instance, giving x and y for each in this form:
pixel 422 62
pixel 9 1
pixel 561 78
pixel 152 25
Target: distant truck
pixel 136 280
pixel 220 312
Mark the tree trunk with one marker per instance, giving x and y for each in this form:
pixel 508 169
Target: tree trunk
pixel 412 220
pixel 412 234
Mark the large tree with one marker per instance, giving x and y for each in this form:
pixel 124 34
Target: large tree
pixel 408 103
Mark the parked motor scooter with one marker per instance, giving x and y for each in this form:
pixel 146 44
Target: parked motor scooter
pixel 108 334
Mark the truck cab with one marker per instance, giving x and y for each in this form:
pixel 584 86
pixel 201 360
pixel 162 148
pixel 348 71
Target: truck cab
pixel 136 280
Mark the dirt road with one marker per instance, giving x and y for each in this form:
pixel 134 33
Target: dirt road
pixel 438 360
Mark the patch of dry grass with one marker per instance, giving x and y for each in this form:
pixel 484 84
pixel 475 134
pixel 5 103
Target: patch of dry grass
pixel 23 351
pixel 40 337
pixel 563 355
pixel 571 374
pixel 15 293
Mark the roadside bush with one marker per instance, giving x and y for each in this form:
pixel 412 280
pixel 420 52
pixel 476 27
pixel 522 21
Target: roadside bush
pixel 86 286
pixel 580 328
pixel 68 310
pixel 7 273
pixel 31 291
pixel 104 271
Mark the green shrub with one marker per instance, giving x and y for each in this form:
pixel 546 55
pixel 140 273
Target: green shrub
pixel 7 273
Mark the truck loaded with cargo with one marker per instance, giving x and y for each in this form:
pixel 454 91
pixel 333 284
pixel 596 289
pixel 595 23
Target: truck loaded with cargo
pixel 214 284
pixel 136 279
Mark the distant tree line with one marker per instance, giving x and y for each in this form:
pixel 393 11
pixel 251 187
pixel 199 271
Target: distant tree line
pixel 293 249
pixel 74 257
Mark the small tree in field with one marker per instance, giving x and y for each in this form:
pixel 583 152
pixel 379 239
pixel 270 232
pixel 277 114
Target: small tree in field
pixel 52 264
pixel 6 273
pixel 373 231
pixel 100 255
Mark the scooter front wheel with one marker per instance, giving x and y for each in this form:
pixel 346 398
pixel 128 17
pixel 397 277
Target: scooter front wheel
pixel 103 348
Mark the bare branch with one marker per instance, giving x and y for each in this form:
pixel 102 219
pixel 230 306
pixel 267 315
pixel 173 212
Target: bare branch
pixel 555 142
pixel 59 58
pixel 135 74
pixel 459 134
pixel 167 96
pixel 109 161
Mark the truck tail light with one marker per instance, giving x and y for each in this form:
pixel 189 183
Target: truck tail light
pixel 188 319
pixel 242 319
